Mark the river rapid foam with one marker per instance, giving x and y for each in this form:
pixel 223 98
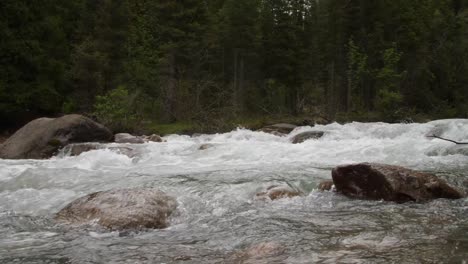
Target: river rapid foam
pixel 218 216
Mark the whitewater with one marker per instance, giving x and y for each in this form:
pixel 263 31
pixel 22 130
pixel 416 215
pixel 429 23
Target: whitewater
pixel 218 218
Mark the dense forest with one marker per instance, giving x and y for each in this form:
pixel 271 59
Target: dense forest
pixel 167 61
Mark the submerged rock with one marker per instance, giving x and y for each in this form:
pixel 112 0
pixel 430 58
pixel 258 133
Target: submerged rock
pixel 127 138
pixel 300 138
pixel 80 148
pixel 278 192
pixel 257 253
pixel 206 146
pixel 41 138
pixel 279 129
pixel 390 183
pixel 121 209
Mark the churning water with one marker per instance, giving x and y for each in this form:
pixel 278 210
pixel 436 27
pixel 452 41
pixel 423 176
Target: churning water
pixel 218 217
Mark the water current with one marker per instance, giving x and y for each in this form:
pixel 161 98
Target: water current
pixel 218 219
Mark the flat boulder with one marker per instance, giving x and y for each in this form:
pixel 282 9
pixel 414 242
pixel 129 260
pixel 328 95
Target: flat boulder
pixel 304 136
pixel 121 209
pixel 43 137
pixel 390 183
pixel 279 129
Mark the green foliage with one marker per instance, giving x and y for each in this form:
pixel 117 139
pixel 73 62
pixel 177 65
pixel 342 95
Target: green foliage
pixel 389 104
pixel 203 62
pixel 116 110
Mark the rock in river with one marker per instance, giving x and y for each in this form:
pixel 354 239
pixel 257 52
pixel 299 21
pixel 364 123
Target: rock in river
pixel 278 192
pixel 390 183
pixel 278 129
pixel 121 209
pixel 304 136
pixel 41 138
pixel 127 138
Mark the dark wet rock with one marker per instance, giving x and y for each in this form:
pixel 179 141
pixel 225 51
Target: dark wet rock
pixel 121 209
pixel 279 128
pixel 278 192
pixel 41 138
pixel 127 138
pixel 390 183
pixel 304 136
pixel 325 185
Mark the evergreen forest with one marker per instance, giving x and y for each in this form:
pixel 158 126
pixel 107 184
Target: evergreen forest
pixel 137 63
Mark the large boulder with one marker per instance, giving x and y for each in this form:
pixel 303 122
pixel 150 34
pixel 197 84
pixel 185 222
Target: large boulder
pixel 279 129
pixel 41 138
pixel 121 209
pixel 390 183
pixel 304 136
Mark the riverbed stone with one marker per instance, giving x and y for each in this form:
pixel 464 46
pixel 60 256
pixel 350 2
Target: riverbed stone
pixel 121 209
pixel 257 253
pixel 304 136
pixel 279 129
pixel 43 137
pixel 390 183
pixel 128 138
pixel 278 192
pixel 80 148
pixel 154 138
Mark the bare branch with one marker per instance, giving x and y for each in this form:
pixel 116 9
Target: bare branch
pixel 449 140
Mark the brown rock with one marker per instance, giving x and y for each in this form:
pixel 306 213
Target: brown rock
pixel 390 183
pixel 325 185
pixel 278 192
pixel 121 209
pixel 300 138
pixel 41 138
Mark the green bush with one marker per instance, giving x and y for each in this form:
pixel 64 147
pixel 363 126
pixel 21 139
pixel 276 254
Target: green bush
pixel 116 110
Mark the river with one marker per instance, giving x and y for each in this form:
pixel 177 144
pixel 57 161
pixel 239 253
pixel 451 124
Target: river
pixel 218 218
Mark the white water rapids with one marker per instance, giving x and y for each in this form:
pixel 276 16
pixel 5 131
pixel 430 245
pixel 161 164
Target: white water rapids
pixel 218 218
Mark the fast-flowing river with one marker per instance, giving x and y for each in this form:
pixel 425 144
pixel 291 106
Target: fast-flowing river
pixel 218 218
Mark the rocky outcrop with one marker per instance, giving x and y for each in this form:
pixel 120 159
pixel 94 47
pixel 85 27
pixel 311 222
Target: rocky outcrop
pixel 279 129
pixel 390 183
pixel 41 138
pixel 304 136
pixel 121 209
pixel 277 192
